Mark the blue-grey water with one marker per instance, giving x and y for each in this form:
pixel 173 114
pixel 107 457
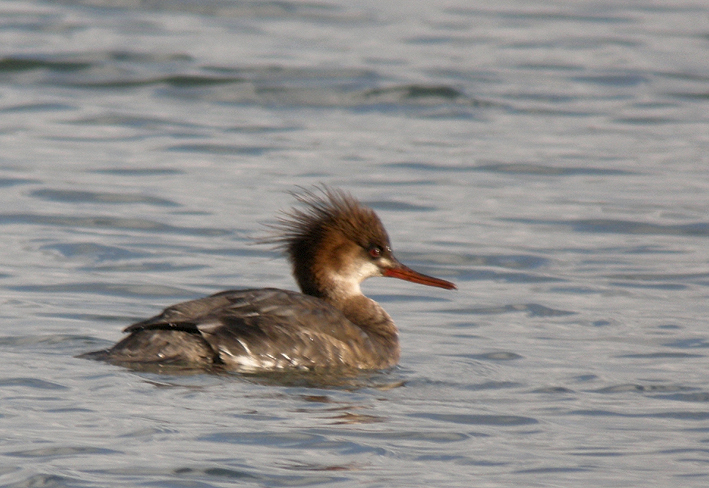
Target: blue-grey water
pixel 551 158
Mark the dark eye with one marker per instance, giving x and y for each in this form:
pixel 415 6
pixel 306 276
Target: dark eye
pixel 375 251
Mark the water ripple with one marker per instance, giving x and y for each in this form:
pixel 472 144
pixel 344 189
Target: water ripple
pixel 99 222
pixel 468 419
pixel 289 440
pixel 532 309
pixel 6 182
pixel 512 168
pixel 9 64
pixel 93 251
pixel 125 290
pixel 226 149
pixel 616 226
pixel 63 451
pixel 75 196
pixel 676 415
pixel 35 383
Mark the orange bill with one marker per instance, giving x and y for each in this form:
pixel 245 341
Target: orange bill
pixel 405 273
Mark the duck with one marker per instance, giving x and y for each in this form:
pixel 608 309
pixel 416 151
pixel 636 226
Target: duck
pixel 333 244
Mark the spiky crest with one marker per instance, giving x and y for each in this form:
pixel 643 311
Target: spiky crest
pixel 329 215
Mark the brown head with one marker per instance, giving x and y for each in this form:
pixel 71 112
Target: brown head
pixel 335 243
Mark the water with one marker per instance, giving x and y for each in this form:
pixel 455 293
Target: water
pixel 548 157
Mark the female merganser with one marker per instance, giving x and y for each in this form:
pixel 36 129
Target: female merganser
pixel 333 245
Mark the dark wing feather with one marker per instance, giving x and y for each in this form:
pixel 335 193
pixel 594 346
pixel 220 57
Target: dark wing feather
pixel 267 328
pixel 185 314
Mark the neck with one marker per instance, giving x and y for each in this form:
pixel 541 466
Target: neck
pixel 346 295
pixel 363 312
pixel 373 320
pixel 369 316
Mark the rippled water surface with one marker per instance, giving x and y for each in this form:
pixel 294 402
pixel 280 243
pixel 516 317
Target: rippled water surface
pixel 551 158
